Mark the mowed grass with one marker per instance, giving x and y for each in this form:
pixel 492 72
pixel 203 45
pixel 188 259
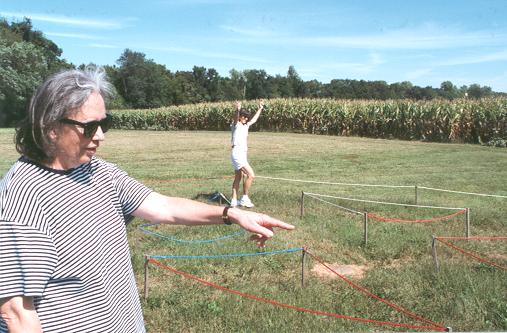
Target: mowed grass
pixel 466 295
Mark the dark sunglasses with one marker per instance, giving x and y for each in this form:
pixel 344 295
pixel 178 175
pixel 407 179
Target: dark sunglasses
pixel 91 127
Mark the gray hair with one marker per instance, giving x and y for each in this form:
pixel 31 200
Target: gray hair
pixel 60 96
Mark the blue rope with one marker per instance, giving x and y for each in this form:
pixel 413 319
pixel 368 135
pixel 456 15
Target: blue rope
pixel 187 241
pixel 228 255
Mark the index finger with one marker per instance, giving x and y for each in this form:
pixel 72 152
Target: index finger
pixel 269 221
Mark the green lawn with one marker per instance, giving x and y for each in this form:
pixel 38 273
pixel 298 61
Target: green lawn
pixel 466 294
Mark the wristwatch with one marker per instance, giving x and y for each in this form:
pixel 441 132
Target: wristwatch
pixel 225 217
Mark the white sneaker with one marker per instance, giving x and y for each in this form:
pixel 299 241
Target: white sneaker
pixel 234 203
pixel 246 202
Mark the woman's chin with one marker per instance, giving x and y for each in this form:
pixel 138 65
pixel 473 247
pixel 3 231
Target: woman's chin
pixel 90 152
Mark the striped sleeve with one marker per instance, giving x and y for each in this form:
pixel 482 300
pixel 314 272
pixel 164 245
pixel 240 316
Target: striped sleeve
pixel 28 258
pixel 131 193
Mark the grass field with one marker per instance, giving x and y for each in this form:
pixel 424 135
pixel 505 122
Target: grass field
pixel 398 266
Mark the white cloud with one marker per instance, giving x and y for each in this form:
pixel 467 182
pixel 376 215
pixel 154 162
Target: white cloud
pixel 340 69
pixel 248 32
pixel 73 35
pixel 65 20
pixel 205 54
pixel 103 46
pixel 418 73
pixel 424 37
pixel 374 60
pixel 476 59
pixel 404 40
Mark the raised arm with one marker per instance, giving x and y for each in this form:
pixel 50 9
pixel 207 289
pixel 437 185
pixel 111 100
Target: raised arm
pixel 236 113
pixel 19 314
pixel 159 208
pixel 257 114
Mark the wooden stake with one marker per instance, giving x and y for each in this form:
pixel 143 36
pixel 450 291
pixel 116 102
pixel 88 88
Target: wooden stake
pixel 146 277
pixel 467 222
pixel 302 210
pixel 434 251
pixel 365 224
pixel 303 254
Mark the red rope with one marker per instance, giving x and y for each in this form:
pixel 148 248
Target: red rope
pixel 287 306
pixel 436 219
pixel 365 291
pixel 470 254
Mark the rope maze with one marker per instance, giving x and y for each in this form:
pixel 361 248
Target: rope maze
pixel 372 216
pixel 367 216
pixel 425 324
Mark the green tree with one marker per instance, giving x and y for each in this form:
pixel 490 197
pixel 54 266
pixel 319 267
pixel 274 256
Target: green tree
pixel 448 90
pixel 23 68
pixel 281 87
pixel 26 59
pixel 51 51
pixel 293 82
pixel 401 89
pixel 214 85
pixel 314 89
pixel 235 87
pixel 256 84
pixel 339 89
pixel 476 91
pixel 142 83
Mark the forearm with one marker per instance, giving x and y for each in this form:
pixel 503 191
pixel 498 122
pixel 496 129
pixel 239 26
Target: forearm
pixel 19 314
pixel 258 113
pixel 255 117
pixel 236 113
pixel 163 209
pixel 189 212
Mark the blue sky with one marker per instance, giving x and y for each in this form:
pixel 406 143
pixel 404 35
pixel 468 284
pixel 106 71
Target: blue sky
pixel 424 42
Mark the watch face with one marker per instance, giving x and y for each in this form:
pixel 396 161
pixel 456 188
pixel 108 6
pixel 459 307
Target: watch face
pixel 225 217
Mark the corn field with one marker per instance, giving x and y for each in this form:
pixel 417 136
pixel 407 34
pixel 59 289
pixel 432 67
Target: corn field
pixel 463 120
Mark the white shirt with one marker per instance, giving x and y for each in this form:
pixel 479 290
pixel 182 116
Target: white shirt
pixel 239 136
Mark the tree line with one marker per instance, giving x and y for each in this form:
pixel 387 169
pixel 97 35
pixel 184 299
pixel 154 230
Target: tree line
pixel 27 57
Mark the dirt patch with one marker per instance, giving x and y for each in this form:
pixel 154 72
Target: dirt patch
pixel 351 271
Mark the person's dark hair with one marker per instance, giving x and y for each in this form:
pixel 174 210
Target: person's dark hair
pixel 60 96
pixel 245 113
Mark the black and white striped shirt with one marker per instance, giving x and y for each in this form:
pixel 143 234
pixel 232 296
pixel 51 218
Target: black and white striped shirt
pixel 63 241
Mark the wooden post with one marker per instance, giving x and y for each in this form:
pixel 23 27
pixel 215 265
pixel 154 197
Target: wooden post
pixel 467 223
pixel 302 210
pixel 434 251
pixel 365 224
pixel 303 254
pixel 146 277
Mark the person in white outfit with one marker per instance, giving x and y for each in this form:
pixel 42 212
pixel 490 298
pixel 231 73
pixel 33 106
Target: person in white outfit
pixel 241 123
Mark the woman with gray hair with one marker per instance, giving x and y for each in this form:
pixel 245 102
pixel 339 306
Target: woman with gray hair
pixel 63 213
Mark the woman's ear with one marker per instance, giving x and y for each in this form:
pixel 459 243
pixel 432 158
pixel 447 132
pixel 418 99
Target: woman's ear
pixel 53 135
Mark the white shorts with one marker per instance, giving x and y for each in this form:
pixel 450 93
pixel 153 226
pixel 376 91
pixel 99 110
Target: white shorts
pixel 238 158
